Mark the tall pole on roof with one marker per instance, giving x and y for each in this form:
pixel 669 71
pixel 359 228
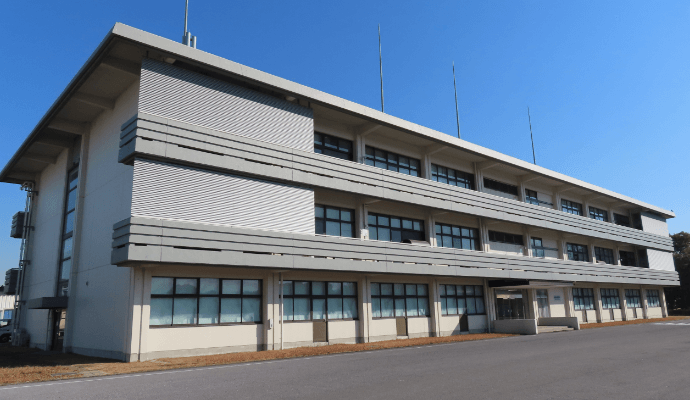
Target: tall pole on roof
pixel 186 9
pixel 381 67
pixel 534 157
pixel 457 113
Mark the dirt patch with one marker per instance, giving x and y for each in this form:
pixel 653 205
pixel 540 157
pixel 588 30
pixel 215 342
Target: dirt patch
pixel 633 322
pixel 22 365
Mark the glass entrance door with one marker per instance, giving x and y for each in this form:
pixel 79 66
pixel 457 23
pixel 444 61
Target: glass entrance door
pixel 543 303
pixel 510 304
pixel 58 328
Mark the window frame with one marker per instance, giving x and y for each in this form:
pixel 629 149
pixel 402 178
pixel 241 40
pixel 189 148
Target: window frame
pixel 499 186
pixel 571 207
pixel 630 294
pixel 403 297
pixel 374 161
pixel 392 229
pixel 325 219
pixel 605 254
pixel 610 299
pixel 585 297
pixel 653 298
pixel 444 296
pixel 325 296
pixel 570 252
pixel 531 197
pixel 439 232
pixel 623 256
pixel 617 220
pixel 65 237
pixel 349 156
pixel 462 179
pixel 598 214
pixel 503 237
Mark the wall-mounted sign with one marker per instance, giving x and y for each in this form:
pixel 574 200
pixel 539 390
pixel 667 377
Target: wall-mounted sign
pixel 556 297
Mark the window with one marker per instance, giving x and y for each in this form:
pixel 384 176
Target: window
pixel 605 255
pixel 391 161
pixel 68 231
pixel 531 197
pixel 610 299
pixel 632 298
pixel 204 301
pixel 332 146
pixel 303 301
pixel 7 314
pixel 389 300
pixel 508 238
pixel 537 247
pixel 627 258
pixel 334 221
pixel 457 237
pixel 571 207
pixel 577 252
pixel 500 186
pixel 619 219
pixel 452 177
pixel 462 299
pixel 643 259
pixel 598 214
pixel 394 229
pixel 653 298
pixel 583 298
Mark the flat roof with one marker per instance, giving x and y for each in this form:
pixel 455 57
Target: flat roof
pixel 250 75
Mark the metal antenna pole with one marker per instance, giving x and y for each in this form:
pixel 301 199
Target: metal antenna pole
pixel 531 136
pixel 186 9
pixel 457 113
pixel 381 67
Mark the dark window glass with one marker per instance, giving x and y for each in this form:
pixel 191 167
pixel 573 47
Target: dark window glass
pixel 531 197
pixel 304 301
pixel 537 247
pixel 583 298
pixel 642 259
pixel 571 207
pixel 577 252
pixel 627 258
pixel 391 161
pixel 394 229
pixel 605 255
pixel 502 237
pixel 390 300
pixel 653 298
pixel 65 264
pixel 610 299
pixel 500 186
pixel 334 221
pixel 598 214
pixel 462 299
pixel 632 298
pixel 204 301
pixel 332 146
pixel 622 220
pixel 457 237
pixel 452 177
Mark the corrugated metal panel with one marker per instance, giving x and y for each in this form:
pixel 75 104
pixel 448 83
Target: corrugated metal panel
pixel 176 93
pixel 188 194
pixel 654 224
pixel 660 260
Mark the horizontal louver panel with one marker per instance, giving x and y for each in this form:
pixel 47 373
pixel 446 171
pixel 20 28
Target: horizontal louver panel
pixel 188 194
pixel 186 96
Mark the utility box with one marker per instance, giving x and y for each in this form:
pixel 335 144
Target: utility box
pixel 17 225
pixel 11 277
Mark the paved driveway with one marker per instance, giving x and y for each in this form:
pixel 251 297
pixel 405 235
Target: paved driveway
pixel 648 361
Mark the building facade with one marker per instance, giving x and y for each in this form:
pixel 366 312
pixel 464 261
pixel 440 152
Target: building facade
pixel 183 204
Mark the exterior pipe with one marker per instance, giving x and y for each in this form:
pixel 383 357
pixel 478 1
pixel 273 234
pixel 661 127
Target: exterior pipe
pixel 281 309
pixel 29 187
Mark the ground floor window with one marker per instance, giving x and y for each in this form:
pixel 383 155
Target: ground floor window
pixel 632 298
pixel 610 299
pixel 583 298
pixel 653 298
pixel 461 299
pixel 204 301
pixel 303 301
pixel 390 300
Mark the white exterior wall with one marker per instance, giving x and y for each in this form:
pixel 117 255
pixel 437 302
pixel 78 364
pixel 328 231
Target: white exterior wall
pixel 654 224
pixel 660 260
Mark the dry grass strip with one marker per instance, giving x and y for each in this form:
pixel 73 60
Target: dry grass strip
pixel 633 322
pixel 22 365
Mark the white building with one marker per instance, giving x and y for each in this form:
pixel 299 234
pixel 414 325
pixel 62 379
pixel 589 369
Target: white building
pixel 185 204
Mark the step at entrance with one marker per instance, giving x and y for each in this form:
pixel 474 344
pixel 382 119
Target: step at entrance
pixel 550 329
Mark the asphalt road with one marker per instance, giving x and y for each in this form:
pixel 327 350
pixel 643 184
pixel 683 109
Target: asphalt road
pixel 648 361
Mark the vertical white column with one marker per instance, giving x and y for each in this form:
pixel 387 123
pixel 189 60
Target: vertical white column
pixel 616 255
pixel 361 217
pixel 597 302
pixel 364 309
pixel 645 310
pixel 562 248
pixel 592 256
pixel 478 178
pixel 360 147
pixel 426 167
pixel 521 192
pixel 484 233
pixel 556 200
pixel 527 238
pixel 490 305
pixel 430 229
pixel 568 302
pixel 434 311
pixel 662 300
pixel 624 303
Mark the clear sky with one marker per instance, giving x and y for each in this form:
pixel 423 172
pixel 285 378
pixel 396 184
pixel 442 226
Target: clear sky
pixel 607 82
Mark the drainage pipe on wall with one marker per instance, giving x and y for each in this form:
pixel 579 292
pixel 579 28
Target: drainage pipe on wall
pixel 281 309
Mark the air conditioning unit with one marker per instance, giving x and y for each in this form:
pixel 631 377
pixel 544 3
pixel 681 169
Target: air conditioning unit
pixel 17 225
pixel 11 277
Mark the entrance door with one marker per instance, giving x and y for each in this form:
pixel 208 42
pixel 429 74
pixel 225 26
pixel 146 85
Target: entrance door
pixel 543 303
pixel 58 328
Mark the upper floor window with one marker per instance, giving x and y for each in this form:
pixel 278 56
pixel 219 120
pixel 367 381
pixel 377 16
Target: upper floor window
pixel 605 255
pixel 571 207
pixel 627 258
pixel 531 197
pixel 653 298
pixel 304 301
pixel 389 300
pixel 583 298
pixel 461 299
pixel 391 161
pixel 619 219
pixel 334 221
pixel 394 229
pixel 610 299
pixel 500 186
pixel 537 247
pixel 508 238
pixel 202 301
pixel 65 267
pixel 332 146
pixel 577 252
pixel 452 177
pixel 457 237
pixel 642 258
pixel 598 214
pixel 632 298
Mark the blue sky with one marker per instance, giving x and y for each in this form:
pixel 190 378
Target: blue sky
pixel 607 83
